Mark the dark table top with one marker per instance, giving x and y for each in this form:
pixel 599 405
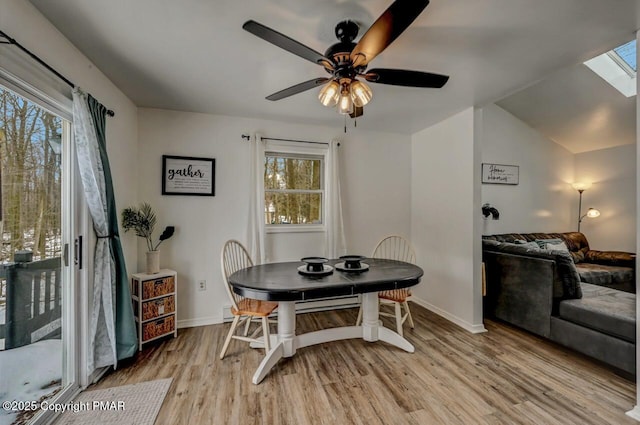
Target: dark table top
pixel 282 282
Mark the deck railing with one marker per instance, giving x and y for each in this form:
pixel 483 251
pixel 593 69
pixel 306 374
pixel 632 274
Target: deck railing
pixel 33 305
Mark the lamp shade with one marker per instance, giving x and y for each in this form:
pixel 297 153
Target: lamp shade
pixel 580 186
pixel 593 213
pixel 329 94
pixel 361 94
pixel 345 104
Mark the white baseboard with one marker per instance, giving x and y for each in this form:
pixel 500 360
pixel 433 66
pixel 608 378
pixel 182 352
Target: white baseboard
pixel 474 329
pixel 302 307
pixel 332 304
pixel 201 321
pixel 634 413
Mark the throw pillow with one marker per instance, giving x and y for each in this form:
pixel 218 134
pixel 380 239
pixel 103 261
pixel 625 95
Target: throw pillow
pixel 556 247
pixel 530 245
pixel 543 242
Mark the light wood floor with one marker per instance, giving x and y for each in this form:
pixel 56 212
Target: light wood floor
pixel 505 376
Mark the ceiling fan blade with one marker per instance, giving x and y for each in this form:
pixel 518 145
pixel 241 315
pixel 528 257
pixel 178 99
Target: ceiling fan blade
pixel 386 29
pixel 298 88
pixel 286 43
pixel 403 77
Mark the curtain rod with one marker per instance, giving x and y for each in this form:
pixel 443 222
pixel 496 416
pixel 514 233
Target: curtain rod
pixel 41 62
pixel 248 137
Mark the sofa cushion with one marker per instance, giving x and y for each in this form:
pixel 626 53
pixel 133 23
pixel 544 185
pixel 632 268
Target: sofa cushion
pixel 611 276
pixel 603 309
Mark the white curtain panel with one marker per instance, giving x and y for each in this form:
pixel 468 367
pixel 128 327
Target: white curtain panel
pixel 256 201
pixel 102 339
pixel 335 239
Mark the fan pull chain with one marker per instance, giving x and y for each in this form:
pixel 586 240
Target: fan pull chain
pixel 345 124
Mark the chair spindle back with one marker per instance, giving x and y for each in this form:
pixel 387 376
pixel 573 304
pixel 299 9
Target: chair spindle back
pixel 234 257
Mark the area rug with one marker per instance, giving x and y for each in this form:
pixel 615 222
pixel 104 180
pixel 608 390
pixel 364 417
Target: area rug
pixel 136 404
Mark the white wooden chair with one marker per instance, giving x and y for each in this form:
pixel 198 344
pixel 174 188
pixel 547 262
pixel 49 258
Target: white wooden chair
pixel 395 247
pixel 235 257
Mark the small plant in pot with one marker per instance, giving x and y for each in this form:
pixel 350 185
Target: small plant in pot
pixel 143 220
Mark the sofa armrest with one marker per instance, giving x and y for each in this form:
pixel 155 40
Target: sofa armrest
pixel 611 258
pixel 566 281
pixel 520 290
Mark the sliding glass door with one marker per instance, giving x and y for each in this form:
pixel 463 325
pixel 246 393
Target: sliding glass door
pixel 38 347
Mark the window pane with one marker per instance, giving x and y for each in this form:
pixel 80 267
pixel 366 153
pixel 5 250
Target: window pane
pixel 628 53
pixel 293 208
pixel 292 173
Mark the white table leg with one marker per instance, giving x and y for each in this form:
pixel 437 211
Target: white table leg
pixel 326 335
pixel 287 327
pixel 390 337
pixel 287 340
pixel 370 324
pixel 268 363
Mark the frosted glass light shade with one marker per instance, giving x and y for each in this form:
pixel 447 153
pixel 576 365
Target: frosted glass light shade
pixel 361 94
pixel 581 186
pixel 345 104
pixel 593 213
pixel 329 94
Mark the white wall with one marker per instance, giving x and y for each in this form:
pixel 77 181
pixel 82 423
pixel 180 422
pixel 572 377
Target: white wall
pixel 543 199
pixel 612 173
pixel 444 205
pixel 20 20
pixel 375 185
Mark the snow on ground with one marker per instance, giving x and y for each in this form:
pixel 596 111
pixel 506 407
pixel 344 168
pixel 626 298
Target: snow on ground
pixel 28 373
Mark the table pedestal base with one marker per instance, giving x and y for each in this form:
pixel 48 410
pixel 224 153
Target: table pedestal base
pixel 287 341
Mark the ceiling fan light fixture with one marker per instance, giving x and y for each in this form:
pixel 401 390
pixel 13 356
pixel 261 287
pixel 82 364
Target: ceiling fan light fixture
pixel 329 94
pixel 345 104
pixel 361 93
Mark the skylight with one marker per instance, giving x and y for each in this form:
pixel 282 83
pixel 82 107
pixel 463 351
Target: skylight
pixel 617 67
pixel 627 52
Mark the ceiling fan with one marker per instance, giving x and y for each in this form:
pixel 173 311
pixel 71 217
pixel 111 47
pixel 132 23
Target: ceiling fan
pixel 347 61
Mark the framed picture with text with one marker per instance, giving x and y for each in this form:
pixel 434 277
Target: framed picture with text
pixel 500 174
pixel 186 175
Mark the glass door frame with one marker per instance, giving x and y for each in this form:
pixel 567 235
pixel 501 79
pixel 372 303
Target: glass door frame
pixel 74 224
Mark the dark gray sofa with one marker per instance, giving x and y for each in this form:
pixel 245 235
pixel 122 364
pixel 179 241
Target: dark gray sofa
pixel 541 291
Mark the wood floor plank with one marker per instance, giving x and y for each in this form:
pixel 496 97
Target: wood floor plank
pixel 504 376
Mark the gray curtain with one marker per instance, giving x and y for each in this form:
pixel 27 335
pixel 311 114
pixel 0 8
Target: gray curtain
pixel 112 330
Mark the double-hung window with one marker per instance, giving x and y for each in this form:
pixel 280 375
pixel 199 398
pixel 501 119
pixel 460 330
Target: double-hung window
pixel 294 190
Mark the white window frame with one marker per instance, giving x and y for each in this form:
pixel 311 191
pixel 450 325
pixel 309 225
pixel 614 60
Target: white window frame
pixel 615 71
pixel 312 151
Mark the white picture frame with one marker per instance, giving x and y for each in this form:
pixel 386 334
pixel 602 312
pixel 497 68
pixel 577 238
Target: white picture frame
pixel 500 174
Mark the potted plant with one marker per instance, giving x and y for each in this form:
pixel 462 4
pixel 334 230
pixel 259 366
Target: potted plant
pixel 143 221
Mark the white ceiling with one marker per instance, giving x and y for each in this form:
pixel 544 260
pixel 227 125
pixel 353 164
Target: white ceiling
pixel 193 55
pixel 577 109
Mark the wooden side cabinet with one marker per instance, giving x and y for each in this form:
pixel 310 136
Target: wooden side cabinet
pixel 154 298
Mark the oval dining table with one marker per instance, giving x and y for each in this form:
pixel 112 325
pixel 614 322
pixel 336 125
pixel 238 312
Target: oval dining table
pixel 283 283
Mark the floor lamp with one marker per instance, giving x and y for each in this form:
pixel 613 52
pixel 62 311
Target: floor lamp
pixel 591 212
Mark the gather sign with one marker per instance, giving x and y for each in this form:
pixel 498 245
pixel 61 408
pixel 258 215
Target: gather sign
pixel 182 175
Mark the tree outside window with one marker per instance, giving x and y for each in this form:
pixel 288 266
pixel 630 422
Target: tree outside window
pixel 294 189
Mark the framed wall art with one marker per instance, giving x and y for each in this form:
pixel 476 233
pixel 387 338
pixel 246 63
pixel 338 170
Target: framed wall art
pixel 500 174
pixel 186 175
